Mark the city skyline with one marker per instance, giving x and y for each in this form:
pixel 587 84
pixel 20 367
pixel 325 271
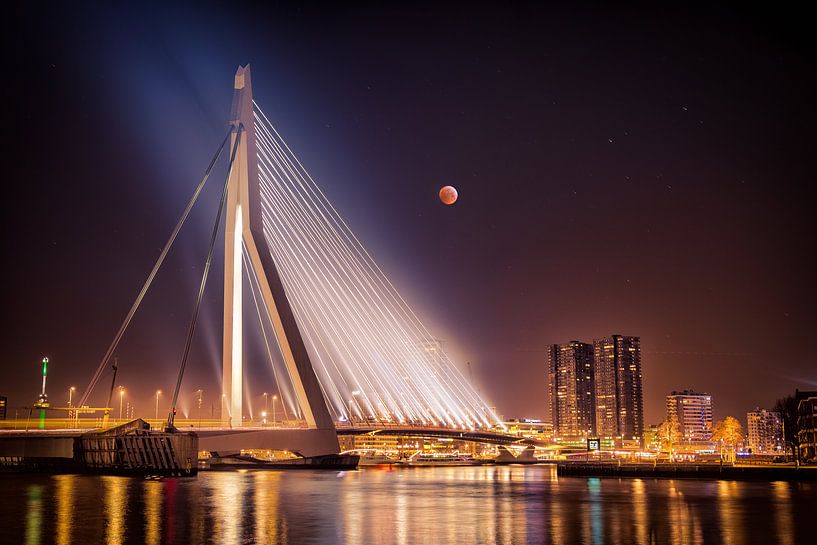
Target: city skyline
pixel 651 210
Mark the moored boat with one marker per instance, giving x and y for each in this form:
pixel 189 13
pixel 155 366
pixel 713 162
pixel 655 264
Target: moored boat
pixel 423 459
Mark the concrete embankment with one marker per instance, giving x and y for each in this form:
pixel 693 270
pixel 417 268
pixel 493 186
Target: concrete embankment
pixel 130 449
pixel 688 471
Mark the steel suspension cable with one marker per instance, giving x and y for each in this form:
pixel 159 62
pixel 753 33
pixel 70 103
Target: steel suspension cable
pixel 191 329
pixel 146 286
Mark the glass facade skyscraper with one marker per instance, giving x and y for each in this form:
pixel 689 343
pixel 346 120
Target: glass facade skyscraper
pixel 570 381
pixel 619 398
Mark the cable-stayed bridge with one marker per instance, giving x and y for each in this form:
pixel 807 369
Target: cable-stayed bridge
pixel 346 349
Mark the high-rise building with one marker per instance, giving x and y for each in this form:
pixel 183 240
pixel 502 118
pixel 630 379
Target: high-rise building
pixel 570 380
pixel 765 431
pixel 693 412
pixel 617 376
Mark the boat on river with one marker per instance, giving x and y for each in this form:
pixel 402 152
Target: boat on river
pixel 427 459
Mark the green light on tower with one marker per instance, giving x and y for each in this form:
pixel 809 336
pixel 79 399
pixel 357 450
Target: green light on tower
pixel 42 401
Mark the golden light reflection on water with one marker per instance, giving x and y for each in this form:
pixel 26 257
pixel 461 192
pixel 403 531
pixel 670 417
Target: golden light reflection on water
pixel 488 529
pixel 557 518
pixel 153 511
pixel 116 505
pixel 445 505
pixel 730 512
pixel 401 508
pixel 199 516
pixel 267 508
pixel 640 502
pixel 351 506
pixel 228 508
pixel 782 510
pixel 684 526
pixel 65 507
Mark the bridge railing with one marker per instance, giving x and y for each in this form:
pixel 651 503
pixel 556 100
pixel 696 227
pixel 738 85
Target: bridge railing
pixel 35 423
pixel 378 424
pixel 86 423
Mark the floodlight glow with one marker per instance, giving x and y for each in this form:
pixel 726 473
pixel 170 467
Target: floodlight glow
pixel 372 355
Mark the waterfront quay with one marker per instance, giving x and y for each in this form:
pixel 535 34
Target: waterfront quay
pixel 700 470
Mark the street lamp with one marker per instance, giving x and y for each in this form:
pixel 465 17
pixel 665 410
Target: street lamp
pixel 200 392
pixel 273 408
pixel 70 399
pixel 158 393
pixel 121 398
pixel 265 401
pixel 264 417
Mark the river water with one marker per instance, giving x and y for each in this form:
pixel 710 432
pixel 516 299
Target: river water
pixel 441 505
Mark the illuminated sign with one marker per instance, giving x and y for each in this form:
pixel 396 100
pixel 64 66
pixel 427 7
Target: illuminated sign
pixel 593 444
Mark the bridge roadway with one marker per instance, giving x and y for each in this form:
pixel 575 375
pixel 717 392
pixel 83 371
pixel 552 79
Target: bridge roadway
pixel 476 436
pixel 297 438
pixel 304 440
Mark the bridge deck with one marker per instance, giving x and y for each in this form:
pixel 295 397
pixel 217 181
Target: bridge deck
pixel 212 429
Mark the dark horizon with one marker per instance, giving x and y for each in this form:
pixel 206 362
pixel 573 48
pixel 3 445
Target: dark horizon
pixel 641 171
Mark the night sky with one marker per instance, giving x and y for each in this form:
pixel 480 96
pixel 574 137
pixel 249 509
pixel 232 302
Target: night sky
pixel 638 170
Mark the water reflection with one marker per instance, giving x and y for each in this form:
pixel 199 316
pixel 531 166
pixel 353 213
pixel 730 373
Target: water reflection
pixel 153 512
pixel 729 508
pixel 115 508
pixel 34 520
pixel 266 515
pixel 505 505
pixel 228 491
pixel 640 511
pixel 558 524
pixel 65 507
pixel 782 511
pixel 596 520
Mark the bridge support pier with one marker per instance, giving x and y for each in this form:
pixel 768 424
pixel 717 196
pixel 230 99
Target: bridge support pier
pixel 307 442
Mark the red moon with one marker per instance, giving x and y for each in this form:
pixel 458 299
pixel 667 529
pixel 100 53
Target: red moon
pixel 448 195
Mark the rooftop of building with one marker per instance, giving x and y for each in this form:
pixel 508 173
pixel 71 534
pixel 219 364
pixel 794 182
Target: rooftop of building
pixel 689 392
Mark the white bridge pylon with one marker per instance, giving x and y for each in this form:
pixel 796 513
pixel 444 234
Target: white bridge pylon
pixel 244 225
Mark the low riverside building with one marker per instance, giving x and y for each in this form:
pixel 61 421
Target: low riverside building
pixel 764 431
pixel 652 440
pixel 807 425
pixel 530 428
pixel 693 412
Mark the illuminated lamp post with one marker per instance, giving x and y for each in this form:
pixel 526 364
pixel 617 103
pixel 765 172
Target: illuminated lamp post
pixel 200 391
pixel 70 400
pixel 273 408
pixel 42 401
pixel 158 393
